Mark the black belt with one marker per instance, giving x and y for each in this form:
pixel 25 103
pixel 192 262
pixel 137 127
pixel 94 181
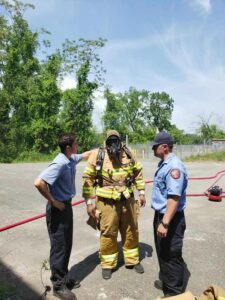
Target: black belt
pixel 67 201
pixel 158 214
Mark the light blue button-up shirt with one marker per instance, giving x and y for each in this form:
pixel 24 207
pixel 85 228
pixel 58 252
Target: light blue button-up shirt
pixel 60 176
pixel 170 179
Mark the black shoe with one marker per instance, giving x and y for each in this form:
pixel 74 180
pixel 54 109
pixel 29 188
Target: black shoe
pixel 72 284
pixel 106 273
pixel 158 284
pixel 64 293
pixel 138 268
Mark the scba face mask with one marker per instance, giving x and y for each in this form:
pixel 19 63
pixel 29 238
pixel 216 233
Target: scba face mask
pixel 113 145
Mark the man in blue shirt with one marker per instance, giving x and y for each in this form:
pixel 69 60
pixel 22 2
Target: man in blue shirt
pixel 168 201
pixel 57 185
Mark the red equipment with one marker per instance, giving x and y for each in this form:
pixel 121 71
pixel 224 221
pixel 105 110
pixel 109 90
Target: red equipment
pixel 215 193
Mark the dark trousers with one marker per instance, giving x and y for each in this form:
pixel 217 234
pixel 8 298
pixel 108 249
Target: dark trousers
pixel 60 230
pixel 169 251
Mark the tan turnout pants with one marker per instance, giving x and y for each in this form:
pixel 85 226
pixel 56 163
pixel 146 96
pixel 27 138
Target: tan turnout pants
pixel 118 215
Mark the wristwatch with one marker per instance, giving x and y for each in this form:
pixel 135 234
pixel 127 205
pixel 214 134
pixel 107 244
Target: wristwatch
pixel 165 225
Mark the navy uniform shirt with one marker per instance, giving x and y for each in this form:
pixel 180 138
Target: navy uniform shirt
pixel 170 179
pixel 60 176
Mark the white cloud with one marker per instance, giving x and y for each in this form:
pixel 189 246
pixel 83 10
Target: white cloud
pixel 68 82
pixel 204 6
pixel 99 107
pixel 200 90
pixel 195 79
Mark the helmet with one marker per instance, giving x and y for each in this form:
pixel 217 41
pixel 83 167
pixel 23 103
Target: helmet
pixel 112 133
pixel 113 142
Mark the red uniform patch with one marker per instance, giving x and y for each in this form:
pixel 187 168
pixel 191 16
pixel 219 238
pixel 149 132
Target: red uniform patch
pixel 175 173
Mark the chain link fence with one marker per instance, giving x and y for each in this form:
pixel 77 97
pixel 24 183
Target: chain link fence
pixel 145 151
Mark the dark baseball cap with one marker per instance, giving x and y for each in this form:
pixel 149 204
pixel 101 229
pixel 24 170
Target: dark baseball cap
pixel 162 137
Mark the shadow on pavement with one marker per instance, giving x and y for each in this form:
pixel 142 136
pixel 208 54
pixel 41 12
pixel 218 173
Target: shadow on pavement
pixel 86 266
pixel 13 287
pixel 145 250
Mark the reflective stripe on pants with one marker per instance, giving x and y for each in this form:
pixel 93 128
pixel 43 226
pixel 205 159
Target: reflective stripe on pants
pixel 118 216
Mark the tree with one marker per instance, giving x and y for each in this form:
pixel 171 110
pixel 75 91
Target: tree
pixel 7 151
pixel 113 116
pixel 209 130
pixel 138 114
pixel 159 108
pixel 19 65
pixel 77 104
pixel 44 106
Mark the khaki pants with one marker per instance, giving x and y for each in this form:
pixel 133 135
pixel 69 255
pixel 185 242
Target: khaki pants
pixel 118 215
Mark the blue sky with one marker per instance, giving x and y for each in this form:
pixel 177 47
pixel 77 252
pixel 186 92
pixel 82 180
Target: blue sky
pixel 176 46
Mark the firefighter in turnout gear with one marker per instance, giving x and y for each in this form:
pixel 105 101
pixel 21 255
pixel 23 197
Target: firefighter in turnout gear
pixel 112 174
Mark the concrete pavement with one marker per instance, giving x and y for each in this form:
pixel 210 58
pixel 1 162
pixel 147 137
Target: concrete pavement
pixel 25 249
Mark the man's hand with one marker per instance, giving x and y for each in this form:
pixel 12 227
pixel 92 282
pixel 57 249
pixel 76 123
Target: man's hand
pixel 142 200
pixel 86 154
pixel 42 186
pixel 58 204
pixel 91 210
pixel 162 231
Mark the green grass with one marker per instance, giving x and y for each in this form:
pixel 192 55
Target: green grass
pixel 32 156
pixel 215 156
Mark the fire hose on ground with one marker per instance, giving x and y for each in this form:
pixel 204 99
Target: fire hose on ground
pixel 214 193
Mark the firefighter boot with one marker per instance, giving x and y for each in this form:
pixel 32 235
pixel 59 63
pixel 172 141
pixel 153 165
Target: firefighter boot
pixel 106 273
pixel 139 268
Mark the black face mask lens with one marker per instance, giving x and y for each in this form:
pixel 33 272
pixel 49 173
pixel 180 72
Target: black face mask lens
pixel 113 146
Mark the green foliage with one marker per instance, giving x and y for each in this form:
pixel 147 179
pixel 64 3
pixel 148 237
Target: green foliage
pixel 159 108
pixel 33 110
pixel 45 97
pixel 82 54
pixel 18 68
pixel 113 116
pixel 34 156
pixel 137 114
pixel 208 130
pixel 77 103
pixel 182 138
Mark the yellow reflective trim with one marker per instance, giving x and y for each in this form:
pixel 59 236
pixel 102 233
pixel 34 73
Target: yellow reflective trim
pixel 138 166
pixel 131 252
pixel 109 194
pixel 87 190
pixel 140 185
pixel 109 258
pixel 220 298
pixel 114 173
pixel 104 173
pixel 139 181
pixel 89 171
pixel 127 168
pixel 104 191
pixel 130 188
